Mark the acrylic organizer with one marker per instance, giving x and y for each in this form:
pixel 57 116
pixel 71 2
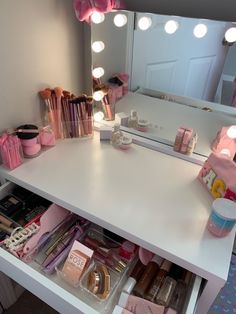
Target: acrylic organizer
pixel 69 116
pixel 11 151
pixel 109 110
pixel 106 269
pixel 77 128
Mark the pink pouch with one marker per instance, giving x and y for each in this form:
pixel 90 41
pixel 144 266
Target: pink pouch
pixel 223 141
pixel 218 175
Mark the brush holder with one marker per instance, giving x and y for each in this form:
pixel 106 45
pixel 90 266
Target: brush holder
pixel 109 111
pixel 78 129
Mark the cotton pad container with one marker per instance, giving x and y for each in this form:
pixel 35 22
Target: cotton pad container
pixel 222 218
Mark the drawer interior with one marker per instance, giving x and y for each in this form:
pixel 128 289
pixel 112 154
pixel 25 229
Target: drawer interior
pixel 62 296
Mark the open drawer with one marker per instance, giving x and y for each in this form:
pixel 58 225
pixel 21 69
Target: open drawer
pixel 60 295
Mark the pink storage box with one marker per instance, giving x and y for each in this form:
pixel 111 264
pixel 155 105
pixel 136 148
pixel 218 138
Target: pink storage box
pixel 218 175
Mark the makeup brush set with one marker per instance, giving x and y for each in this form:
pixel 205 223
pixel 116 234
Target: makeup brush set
pixel 68 115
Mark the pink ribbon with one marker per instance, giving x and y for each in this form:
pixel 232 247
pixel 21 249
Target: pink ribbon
pixel 85 8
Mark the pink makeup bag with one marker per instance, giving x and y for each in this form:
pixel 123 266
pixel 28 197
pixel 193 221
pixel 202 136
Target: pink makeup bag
pixel 218 175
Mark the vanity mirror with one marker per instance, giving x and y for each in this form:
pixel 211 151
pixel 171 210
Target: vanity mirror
pixel 176 66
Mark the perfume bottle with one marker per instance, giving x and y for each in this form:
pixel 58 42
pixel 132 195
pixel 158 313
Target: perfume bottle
pixel 147 277
pixel 168 287
pixel 133 120
pixel 117 135
pixel 158 281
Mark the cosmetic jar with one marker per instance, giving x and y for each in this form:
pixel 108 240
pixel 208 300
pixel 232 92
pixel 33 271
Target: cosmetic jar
pixel 28 135
pixel 125 142
pixel 222 218
pixel 143 125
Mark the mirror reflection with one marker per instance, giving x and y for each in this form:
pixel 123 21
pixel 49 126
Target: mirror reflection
pixel 175 66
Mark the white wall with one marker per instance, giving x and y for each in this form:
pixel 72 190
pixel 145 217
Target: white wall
pixel 40 46
pixel 210 9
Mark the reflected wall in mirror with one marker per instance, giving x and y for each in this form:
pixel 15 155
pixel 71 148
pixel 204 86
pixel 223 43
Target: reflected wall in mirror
pixel 175 62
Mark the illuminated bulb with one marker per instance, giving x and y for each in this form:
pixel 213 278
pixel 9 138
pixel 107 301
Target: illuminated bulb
pixel 98 95
pixel 98 116
pixel 144 23
pixel 230 35
pixel 225 151
pixel 232 132
pixel 98 46
pixel 171 27
pixel 97 17
pixel 200 30
pixel 120 20
pixel 98 72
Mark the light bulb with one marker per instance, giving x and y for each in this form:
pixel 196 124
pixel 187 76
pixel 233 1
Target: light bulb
pixel 98 95
pixel 144 23
pixel 97 17
pixel 225 151
pixel 230 35
pixel 98 72
pixel 171 26
pixel 98 116
pixel 98 46
pixel 232 132
pixel 120 20
pixel 200 30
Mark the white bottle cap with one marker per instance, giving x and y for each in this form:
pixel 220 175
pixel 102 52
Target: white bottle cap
pixel 118 310
pixel 129 285
pixel 123 299
pixel 225 208
pixel 133 113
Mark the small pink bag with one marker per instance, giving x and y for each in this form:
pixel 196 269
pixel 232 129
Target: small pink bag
pixel 218 175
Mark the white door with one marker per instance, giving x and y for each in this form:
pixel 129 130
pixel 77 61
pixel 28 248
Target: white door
pixel 179 63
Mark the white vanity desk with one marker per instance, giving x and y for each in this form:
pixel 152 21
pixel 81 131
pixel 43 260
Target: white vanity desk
pixel 148 197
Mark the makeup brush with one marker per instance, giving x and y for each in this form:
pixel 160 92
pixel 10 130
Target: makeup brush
pixel 59 93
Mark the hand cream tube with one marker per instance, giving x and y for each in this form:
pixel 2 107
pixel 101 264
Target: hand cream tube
pixel 138 305
pixel 120 310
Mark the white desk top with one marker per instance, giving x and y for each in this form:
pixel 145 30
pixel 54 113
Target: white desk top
pixel 170 116
pixel 150 198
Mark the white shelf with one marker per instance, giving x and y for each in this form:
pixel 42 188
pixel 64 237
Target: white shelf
pixel 149 198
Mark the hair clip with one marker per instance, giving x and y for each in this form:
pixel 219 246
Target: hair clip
pixel 19 236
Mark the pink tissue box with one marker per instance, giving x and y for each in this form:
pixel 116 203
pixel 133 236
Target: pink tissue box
pixel 218 175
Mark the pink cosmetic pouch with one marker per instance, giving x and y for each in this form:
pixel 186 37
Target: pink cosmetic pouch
pixel 218 175
pixel 222 141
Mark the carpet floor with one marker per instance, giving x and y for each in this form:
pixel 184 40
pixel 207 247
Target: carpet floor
pixel 226 300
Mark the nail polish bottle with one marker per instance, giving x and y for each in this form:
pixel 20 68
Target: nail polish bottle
pixel 156 285
pixel 168 287
pixel 133 120
pixel 179 295
pixel 116 137
pixel 134 277
pixel 147 277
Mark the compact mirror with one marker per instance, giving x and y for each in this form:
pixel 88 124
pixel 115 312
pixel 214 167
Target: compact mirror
pixel 181 72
